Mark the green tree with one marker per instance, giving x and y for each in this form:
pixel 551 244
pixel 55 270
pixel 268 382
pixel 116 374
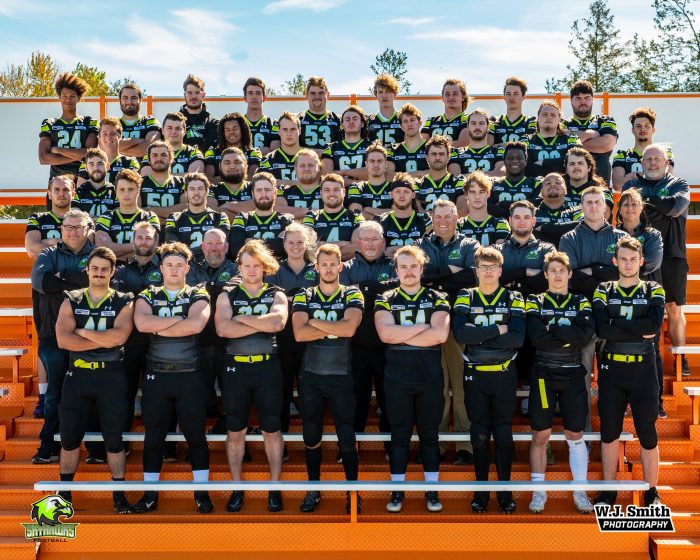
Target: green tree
pixel 95 78
pixel 34 79
pixel 394 63
pixel 295 86
pixel 680 44
pixel 116 85
pixel 601 57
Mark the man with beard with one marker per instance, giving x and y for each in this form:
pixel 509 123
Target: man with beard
pixel 138 131
pixel 515 185
pixel 369 269
pixel 281 161
pixel 450 267
pixel 95 196
pixel 115 228
pixel 319 127
pixel 597 134
pixel 581 174
pixel 141 271
pixel 547 147
pixel 161 192
pixel 403 225
pixel 233 194
pixel 109 141
pixel 326 318
pixel 409 156
pixel 189 226
pixel 202 128
pixel 438 183
pixel 375 193
pixel 555 216
pixel 667 198
pixel 264 222
pixel 479 155
pixel 304 195
pixel 479 224
pixel 63 141
pixel 335 223
pixel 263 129
pixel 44 230
pixel 627 164
pixel 513 126
pixel 185 158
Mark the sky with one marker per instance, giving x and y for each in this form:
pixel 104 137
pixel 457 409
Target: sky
pixel 158 43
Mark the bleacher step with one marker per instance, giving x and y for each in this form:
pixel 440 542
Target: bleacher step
pixel 676 548
pixel 17 548
pixel 670 449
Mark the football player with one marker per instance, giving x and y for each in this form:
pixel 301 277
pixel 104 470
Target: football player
pixel 263 129
pixel 138 130
pixel 385 125
pixel 453 122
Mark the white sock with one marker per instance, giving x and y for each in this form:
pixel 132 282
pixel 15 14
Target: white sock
pixel 578 459
pixel 431 476
pixel 201 475
pixel 151 476
pixel 537 477
pixel 398 477
pixel 43 387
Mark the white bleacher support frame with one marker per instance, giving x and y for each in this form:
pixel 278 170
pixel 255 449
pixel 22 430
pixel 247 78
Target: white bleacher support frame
pixel 694 394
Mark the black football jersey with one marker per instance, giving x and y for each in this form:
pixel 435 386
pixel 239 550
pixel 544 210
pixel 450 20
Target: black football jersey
pixel 280 164
pixel 298 198
pixel 264 131
pixel 346 156
pixel 328 308
pixel 473 307
pixel 407 160
pixel 450 187
pixel 213 157
pixel 399 232
pixel 503 192
pixel 565 213
pixel 374 196
pixel 470 159
pixel 189 228
pixel 613 304
pixel 387 131
pixel 416 309
pixel 115 166
pixel 504 130
pixel 555 148
pixel 47 223
pixel 489 232
pixel 97 316
pixel 71 135
pixel 139 127
pixel 333 227
pixel 95 201
pixel 161 194
pixel 223 193
pixel 317 131
pixel 602 124
pixel 172 353
pixel 260 227
pixel 120 227
pixel 446 127
pixel 182 159
pixel 245 303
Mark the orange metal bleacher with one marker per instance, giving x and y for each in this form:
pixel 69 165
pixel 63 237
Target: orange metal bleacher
pixel 255 533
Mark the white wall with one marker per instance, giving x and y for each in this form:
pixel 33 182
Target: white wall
pixel 678 123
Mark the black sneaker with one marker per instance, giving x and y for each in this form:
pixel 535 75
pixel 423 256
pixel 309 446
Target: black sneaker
pixel 203 502
pixel 148 502
pixel 347 502
pixel 96 459
pixel 662 412
pixel 310 502
pixel 395 502
pixel 274 501
pixel 121 504
pixel 685 367
pixel 235 502
pixel 506 502
pixel 608 497
pixel 651 497
pixel 463 457
pixel 480 502
pixel 44 458
pixel 433 501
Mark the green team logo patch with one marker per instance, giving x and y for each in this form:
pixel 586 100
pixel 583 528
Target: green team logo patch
pixel 663 191
pixel 383 276
pixel 310 275
pixel 154 276
pixel 531 255
pixel 454 254
pixel 83 263
pixel 224 277
pixel 47 514
pixel 611 248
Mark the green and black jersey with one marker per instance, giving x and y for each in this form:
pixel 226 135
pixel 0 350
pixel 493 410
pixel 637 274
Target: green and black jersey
pixel 504 130
pixel 223 192
pixel 317 131
pixel 631 160
pixel 399 232
pixel 46 223
pixel 161 194
pixel 337 226
pixel 387 131
pixel 189 228
pixel 120 227
pixel 95 201
pixel 470 159
pixel 139 127
pixel 213 157
pixel 408 160
pixel 428 190
pixel 118 164
pixel 488 232
pixel 345 155
pixel 298 198
pixel 70 135
pixel 446 127
pixel 264 131
pixel 374 196
pixel 280 164
pixel 245 303
pixel 182 159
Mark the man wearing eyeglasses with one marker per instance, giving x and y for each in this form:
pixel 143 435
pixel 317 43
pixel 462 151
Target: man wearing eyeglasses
pixel 57 269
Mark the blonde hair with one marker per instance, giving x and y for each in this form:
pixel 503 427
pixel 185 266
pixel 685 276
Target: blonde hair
pixel 257 249
pixel 387 81
pixel 412 251
pixel 488 254
pixel 479 178
pixel 329 249
pixel 309 235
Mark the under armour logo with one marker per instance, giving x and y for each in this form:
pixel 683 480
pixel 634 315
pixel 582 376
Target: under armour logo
pixel 603 366
pixel 231 369
pixel 69 374
pixel 468 378
pixel 150 376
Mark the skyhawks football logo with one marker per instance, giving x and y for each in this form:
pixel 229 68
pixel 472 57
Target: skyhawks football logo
pixel 47 513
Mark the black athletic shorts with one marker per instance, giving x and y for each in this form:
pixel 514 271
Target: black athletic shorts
pixel 103 390
pixel 247 383
pixel 674 279
pixel 569 393
pixel 621 383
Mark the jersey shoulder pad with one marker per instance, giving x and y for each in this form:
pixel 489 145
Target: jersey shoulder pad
pixel 516 299
pixel 75 296
pixel 464 298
